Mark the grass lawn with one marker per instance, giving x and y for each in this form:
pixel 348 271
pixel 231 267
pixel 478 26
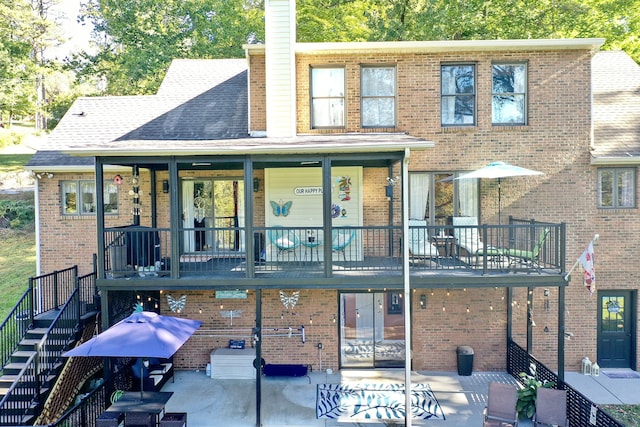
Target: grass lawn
pixel 629 415
pixel 17 247
pixel 17 264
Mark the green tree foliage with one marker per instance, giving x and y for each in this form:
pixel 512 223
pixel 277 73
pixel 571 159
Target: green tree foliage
pixel 139 38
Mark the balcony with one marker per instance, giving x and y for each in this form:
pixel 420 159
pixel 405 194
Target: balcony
pixel 313 253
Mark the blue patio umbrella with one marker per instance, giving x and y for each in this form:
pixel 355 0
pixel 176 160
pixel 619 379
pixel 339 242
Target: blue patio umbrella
pixel 499 170
pixel 143 334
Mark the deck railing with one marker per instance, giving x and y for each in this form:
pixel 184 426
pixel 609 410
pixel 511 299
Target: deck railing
pixel 520 246
pixel 578 406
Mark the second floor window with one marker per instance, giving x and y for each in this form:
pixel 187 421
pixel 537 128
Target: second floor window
pixel 327 98
pixel 79 198
pixel 616 188
pixel 509 94
pixel 458 91
pixel 378 96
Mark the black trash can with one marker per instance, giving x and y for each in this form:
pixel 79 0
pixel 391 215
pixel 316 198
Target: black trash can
pixel 465 360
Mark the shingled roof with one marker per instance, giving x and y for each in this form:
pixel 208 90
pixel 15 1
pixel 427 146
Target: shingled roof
pixel 616 108
pixel 197 100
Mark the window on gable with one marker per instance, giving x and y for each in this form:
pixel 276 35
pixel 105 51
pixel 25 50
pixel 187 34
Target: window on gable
pixel 458 92
pixel 327 97
pixel 378 96
pixel 79 198
pixel 616 188
pixel 509 94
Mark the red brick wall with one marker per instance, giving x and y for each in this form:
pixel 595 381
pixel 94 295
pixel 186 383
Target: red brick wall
pixel 555 140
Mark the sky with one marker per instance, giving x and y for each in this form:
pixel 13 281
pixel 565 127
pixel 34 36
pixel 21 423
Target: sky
pixel 76 34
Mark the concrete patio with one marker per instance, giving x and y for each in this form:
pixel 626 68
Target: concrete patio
pixel 292 401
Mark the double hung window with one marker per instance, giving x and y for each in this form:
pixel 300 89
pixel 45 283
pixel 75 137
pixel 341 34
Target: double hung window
pixel 616 188
pixel 79 198
pixel 378 89
pixel 327 97
pixel 509 94
pixel 458 92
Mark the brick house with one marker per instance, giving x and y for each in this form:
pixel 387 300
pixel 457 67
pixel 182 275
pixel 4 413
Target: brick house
pixel 309 194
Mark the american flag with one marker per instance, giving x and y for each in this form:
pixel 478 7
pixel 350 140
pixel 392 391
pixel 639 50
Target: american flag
pixel 587 261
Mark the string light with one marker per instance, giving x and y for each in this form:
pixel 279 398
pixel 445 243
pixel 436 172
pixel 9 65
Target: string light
pixel 310 320
pixel 467 309
pixel 334 318
pixel 443 307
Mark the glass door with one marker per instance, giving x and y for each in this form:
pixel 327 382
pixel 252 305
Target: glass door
pixel 371 330
pixel 213 215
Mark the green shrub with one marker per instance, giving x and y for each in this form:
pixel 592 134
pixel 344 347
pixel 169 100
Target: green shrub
pixel 10 138
pixel 527 395
pixel 16 214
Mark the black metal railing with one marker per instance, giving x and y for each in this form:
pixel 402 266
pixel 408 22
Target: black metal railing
pixel 578 406
pixel 15 326
pixel 16 404
pixel 88 409
pixel 53 289
pixel 520 246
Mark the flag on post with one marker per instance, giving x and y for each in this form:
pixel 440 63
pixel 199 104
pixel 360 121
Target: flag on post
pixel 586 259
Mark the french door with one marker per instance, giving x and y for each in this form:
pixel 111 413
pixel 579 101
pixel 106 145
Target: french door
pixel 372 330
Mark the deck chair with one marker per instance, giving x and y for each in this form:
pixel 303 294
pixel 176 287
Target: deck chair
pixel 530 258
pixel 419 244
pixel 501 406
pixel 468 238
pixel 341 239
pixel 551 408
pixel 285 241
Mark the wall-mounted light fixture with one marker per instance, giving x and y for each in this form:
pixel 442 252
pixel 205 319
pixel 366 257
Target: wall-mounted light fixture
pixel 423 301
pixel 256 185
pixel 388 191
pixel 41 175
pixel 165 186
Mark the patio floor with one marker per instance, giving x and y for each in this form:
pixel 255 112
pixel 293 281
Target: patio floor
pixel 291 401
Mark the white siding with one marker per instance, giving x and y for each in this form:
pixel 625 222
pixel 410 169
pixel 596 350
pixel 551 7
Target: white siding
pixel 280 19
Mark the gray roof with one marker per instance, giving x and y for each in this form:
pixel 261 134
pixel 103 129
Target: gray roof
pixel 616 108
pixel 198 100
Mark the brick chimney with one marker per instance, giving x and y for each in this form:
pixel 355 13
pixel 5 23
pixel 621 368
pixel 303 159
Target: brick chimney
pixel 280 34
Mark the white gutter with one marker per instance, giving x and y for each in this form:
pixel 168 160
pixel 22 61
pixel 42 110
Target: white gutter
pixel 592 44
pixel 629 160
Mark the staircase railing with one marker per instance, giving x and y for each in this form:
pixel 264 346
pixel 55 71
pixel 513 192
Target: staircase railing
pixel 53 289
pixel 16 404
pixel 15 326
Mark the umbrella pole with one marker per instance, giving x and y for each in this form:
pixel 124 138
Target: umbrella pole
pixel 499 202
pixel 141 379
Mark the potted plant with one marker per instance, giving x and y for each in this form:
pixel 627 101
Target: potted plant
pixel 527 395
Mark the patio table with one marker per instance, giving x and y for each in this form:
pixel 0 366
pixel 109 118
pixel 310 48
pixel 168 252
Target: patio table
pixel 151 402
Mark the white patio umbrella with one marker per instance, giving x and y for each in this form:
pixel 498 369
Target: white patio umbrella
pixel 499 170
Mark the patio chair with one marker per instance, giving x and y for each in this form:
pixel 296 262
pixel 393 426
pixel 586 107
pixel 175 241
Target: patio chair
pixel 501 406
pixel 284 240
pixel 341 239
pixel 419 244
pixel 529 258
pixel 551 408
pixel 467 237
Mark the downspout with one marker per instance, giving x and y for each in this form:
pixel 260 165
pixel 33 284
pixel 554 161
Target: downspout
pixel 36 201
pixel 407 287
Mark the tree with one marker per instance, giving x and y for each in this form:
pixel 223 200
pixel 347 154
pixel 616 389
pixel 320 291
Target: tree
pixel 141 37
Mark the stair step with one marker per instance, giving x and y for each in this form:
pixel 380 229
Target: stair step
pixel 37 331
pixel 21 355
pixel 7 420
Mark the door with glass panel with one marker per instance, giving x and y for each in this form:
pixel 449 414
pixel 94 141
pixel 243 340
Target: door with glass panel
pixel 616 329
pixel 212 215
pixel 372 330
